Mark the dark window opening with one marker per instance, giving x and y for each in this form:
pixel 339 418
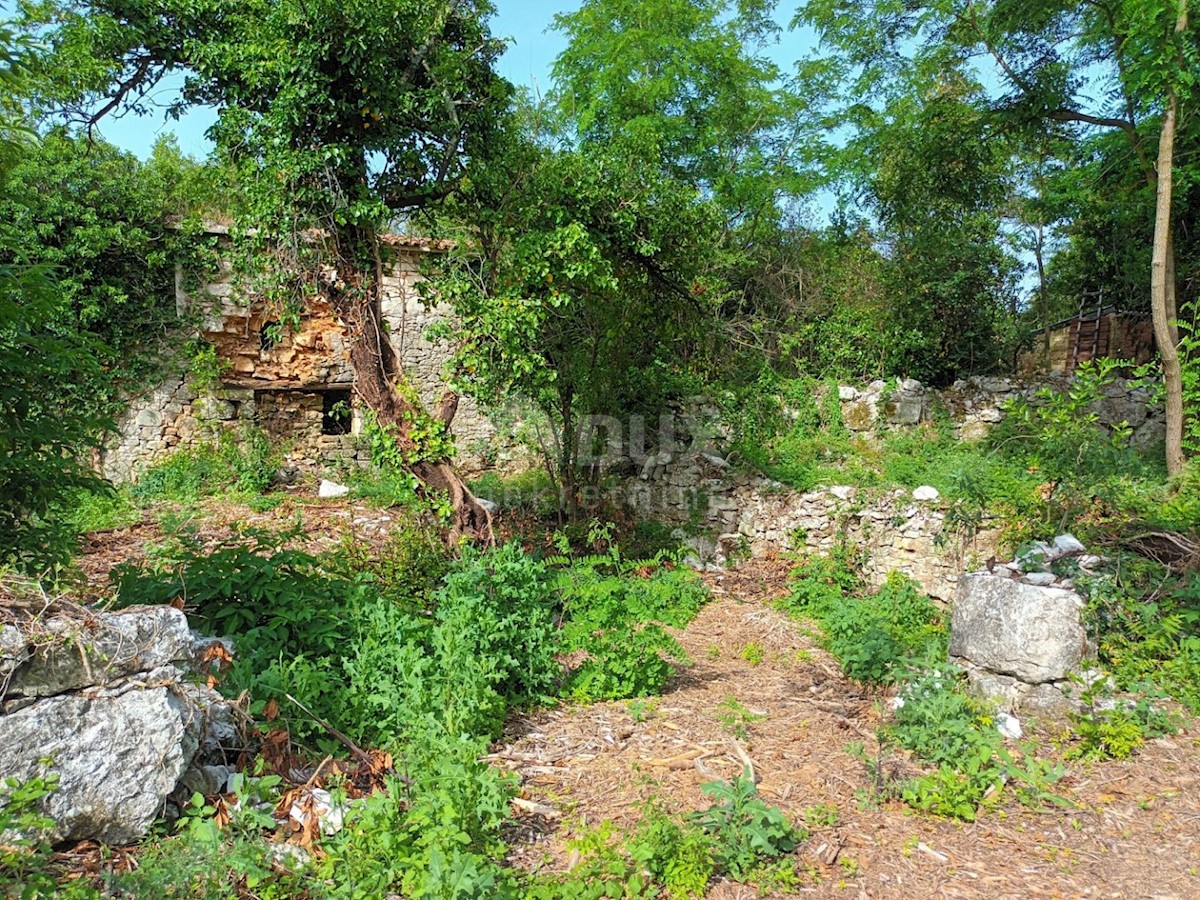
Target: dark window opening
pixel 269 336
pixel 335 412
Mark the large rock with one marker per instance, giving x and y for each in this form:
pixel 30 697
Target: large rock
pixel 1032 633
pixel 102 701
pixel 75 651
pixel 118 755
pixel 906 406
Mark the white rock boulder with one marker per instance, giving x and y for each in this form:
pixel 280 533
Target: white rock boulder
pixel 329 490
pixel 1034 634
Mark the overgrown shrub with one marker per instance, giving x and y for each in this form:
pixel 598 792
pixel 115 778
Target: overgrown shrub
pixel 873 635
pixel 244 462
pixel 1145 629
pixel 820 583
pixel 495 619
pixel 407 568
pixel 956 736
pixel 938 721
pixel 27 867
pixel 615 610
pixel 279 600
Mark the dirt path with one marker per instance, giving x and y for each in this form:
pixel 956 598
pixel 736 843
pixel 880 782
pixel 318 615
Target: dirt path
pixel 1136 833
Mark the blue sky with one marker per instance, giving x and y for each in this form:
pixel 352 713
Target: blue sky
pixel 532 49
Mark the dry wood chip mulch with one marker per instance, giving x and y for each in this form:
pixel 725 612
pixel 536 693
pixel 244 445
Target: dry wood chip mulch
pixel 1136 833
pixel 324 525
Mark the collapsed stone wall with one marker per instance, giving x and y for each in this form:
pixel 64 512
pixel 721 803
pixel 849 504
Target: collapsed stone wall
pixel 900 531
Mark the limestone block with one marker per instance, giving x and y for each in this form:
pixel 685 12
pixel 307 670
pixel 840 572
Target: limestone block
pixel 149 418
pixel 14 650
pixel 118 755
pixel 1006 691
pixel 111 646
pixel 860 415
pixel 993 385
pixel 973 430
pixel 1032 633
pixel 1148 435
pixel 213 409
pixel 904 408
pixel 1115 410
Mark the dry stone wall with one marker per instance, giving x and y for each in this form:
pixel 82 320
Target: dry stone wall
pixel 744 515
pixel 693 486
pixel 975 404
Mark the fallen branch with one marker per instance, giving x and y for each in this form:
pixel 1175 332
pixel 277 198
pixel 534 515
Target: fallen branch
pixel 358 752
pixel 1171 549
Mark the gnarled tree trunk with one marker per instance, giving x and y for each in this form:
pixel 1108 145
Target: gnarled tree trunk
pixel 376 373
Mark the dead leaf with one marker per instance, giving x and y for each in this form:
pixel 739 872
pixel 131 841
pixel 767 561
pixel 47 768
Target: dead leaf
pixel 221 816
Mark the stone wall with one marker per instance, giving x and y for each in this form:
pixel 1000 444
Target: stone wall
pixel 691 484
pixel 408 317
pixel 175 417
pixel 278 379
pixel 899 531
pixel 975 404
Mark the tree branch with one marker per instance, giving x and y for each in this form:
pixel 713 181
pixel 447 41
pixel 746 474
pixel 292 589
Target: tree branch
pixel 134 81
pixel 1072 115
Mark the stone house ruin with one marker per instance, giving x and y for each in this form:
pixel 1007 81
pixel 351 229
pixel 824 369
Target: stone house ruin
pixel 295 384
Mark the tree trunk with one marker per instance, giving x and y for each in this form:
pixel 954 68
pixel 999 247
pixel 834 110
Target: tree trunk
pixel 1162 290
pixel 1039 246
pixel 376 371
pixel 567 456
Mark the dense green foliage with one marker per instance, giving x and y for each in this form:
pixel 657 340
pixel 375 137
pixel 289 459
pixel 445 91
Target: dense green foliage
pixel 637 238
pixel 111 230
pixel 616 616
pixel 568 254
pixel 49 375
pixel 241 462
pixel 426 672
pixel 874 635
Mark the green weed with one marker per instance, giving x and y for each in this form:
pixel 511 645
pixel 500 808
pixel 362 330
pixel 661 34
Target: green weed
pixel 736 718
pixel 753 653
pixel 745 830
